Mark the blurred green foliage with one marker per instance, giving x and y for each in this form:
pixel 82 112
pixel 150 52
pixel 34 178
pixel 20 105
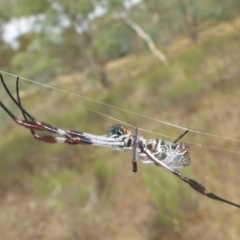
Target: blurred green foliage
pixel 80 35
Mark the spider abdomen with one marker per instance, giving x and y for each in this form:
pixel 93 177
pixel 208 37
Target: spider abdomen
pixel 174 155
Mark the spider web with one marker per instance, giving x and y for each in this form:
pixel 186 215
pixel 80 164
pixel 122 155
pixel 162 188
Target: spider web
pixel 47 88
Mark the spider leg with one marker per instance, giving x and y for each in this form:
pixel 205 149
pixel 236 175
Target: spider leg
pixel 134 159
pixel 20 104
pixel 194 184
pixel 69 137
pixel 201 189
pixel 43 138
pixel 181 136
pixel 74 137
pixel 32 123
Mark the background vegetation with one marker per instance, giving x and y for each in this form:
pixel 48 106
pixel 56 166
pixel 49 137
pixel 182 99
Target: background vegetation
pixel 78 192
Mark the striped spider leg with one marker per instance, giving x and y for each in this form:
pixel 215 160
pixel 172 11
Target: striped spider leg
pixel 63 136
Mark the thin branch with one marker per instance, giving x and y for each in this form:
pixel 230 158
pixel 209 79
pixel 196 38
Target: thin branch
pixel 146 38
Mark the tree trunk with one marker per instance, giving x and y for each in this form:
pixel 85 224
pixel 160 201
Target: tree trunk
pixel 103 76
pixel 190 23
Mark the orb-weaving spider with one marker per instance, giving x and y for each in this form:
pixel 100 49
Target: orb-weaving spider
pixel 169 155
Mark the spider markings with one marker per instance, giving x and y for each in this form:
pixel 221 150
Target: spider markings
pixel 169 155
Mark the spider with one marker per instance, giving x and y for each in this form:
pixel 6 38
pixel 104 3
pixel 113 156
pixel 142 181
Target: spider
pixel 158 152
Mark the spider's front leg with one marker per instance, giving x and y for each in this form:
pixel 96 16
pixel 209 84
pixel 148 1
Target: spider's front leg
pixel 31 123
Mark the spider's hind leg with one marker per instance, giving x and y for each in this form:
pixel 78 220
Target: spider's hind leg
pixel 181 136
